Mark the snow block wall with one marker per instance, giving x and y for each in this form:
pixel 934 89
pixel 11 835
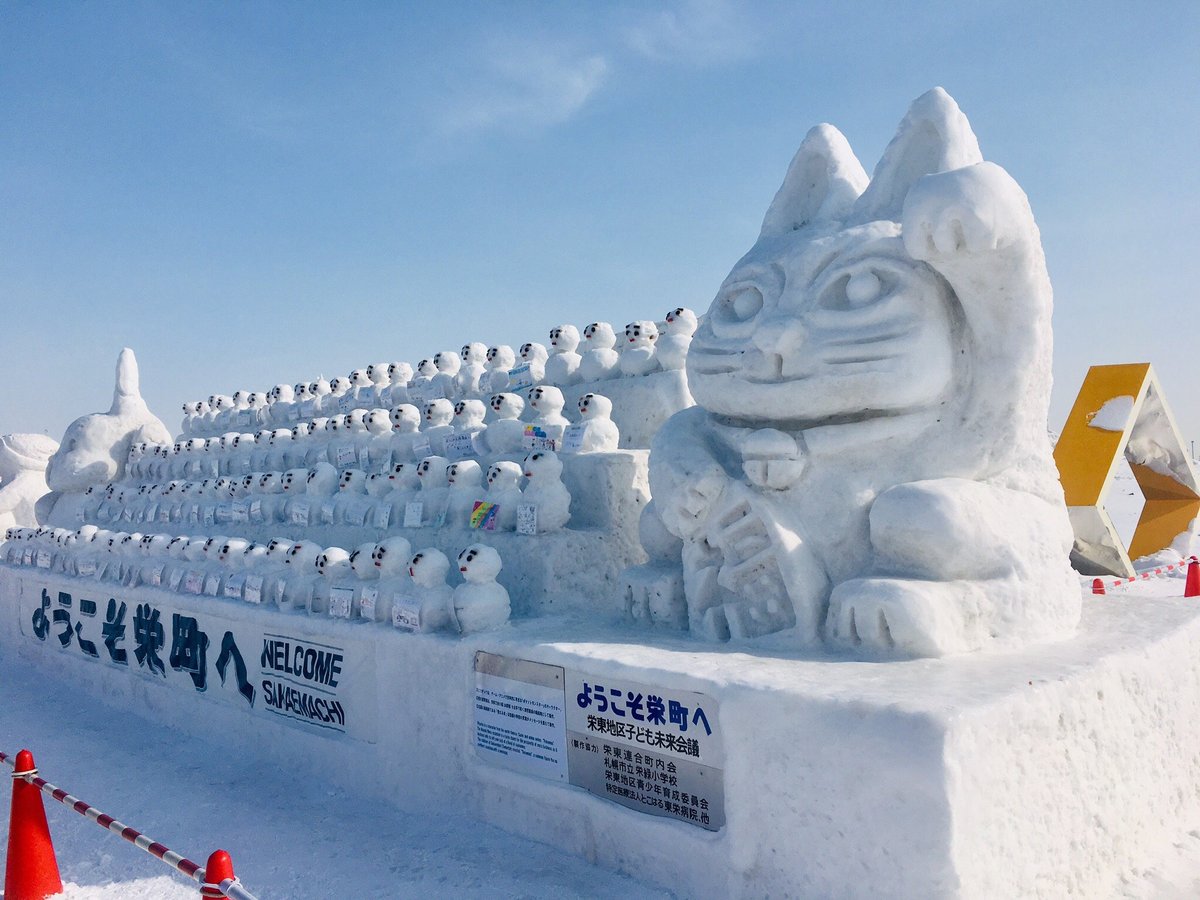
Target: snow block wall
pixel 1041 772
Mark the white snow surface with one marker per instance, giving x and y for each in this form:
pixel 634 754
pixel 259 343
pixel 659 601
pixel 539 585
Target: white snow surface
pixel 1113 415
pixel 289 835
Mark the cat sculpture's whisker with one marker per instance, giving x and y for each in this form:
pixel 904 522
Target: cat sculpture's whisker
pixel 876 338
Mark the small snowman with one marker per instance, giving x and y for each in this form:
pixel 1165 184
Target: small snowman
pixel 506 433
pixel 600 434
pixel 599 360
pixel 504 490
pixel 232 555
pixel 278 445
pixel 275 569
pixel 390 558
pixel 468 420
pixel 672 347
pixel 396 392
pixel 378 454
pixel 563 364
pixel 432 472
pixel 366 586
pixel 331 404
pixel 280 402
pixel 333 569
pixel 295 592
pixel 380 381
pixel 405 488
pixel 480 604
pixel 444 382
pixel 420 386
pixel 428 569
pixel 500 359
pixel 638 351
pixel 379 489
pixel 472 369
pixel 439 414
pixel 547 402
pixel 534 355
pixel 316 448
pixel 464 486
pixel 351 504
pixel 270 498
pixel 545 491
pixel 406 424
pixel 321 485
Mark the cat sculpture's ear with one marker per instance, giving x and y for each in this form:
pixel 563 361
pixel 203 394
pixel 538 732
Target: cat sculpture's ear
pixel 822 184
pixel 934 137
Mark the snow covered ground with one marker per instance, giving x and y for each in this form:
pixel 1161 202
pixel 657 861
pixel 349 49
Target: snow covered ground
pixel 289 836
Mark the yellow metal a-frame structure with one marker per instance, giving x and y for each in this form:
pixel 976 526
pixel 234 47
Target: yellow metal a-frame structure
pixel 1121 409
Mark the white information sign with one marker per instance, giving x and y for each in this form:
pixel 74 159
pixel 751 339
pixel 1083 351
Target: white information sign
pixel 413 513
pixel 383 515
pixel 651 748
pixel 406 613
pixel 526 518
pixel 520 377
pixel 253 589
pixel 367 602
pixel 341 600
pixel 519 715
pixel 298 512
pixel 459 446
pixel 572 440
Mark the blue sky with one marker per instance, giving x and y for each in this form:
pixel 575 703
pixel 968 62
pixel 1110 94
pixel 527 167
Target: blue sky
pixel 256 192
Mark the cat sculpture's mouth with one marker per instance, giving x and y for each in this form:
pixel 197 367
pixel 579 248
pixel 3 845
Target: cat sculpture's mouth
pixel 885 354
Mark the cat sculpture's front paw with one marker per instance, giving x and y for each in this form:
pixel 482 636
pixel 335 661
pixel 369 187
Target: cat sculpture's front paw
pixel 972 210
pixel 686 514
pixel 896 616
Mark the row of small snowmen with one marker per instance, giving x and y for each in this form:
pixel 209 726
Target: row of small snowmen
pixel 375 440
pixel 375 582
pixel 476 371
pixel 432 493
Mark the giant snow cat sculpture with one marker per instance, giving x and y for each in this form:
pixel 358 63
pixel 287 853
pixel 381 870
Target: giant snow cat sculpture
pixel 868 462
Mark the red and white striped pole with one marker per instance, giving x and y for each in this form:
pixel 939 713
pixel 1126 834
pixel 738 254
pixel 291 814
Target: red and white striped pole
pixel 221 879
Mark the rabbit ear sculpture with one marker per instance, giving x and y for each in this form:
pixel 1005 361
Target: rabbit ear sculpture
pixel 868 462
pixel 95 447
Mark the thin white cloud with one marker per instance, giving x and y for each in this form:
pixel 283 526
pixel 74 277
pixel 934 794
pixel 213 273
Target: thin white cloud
pixel 694 32
pixel 525 86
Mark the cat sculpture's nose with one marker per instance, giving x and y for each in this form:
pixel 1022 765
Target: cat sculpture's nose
pixel 779 335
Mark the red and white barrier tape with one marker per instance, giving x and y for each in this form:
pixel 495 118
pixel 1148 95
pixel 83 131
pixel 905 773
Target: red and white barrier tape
pixel 1140 576
pixel 231 888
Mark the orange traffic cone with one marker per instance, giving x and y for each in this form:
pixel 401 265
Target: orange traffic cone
pixel 1192 587
pixel 32 870
pixel 218 869
pixel 1098 586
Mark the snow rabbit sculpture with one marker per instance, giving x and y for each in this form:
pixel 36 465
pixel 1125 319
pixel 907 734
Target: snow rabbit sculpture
pixel 868 462
pixel 95 447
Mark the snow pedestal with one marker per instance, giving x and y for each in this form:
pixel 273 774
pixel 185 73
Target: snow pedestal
pixel 1042 772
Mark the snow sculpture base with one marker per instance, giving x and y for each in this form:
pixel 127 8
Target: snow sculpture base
pixel 1047 771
